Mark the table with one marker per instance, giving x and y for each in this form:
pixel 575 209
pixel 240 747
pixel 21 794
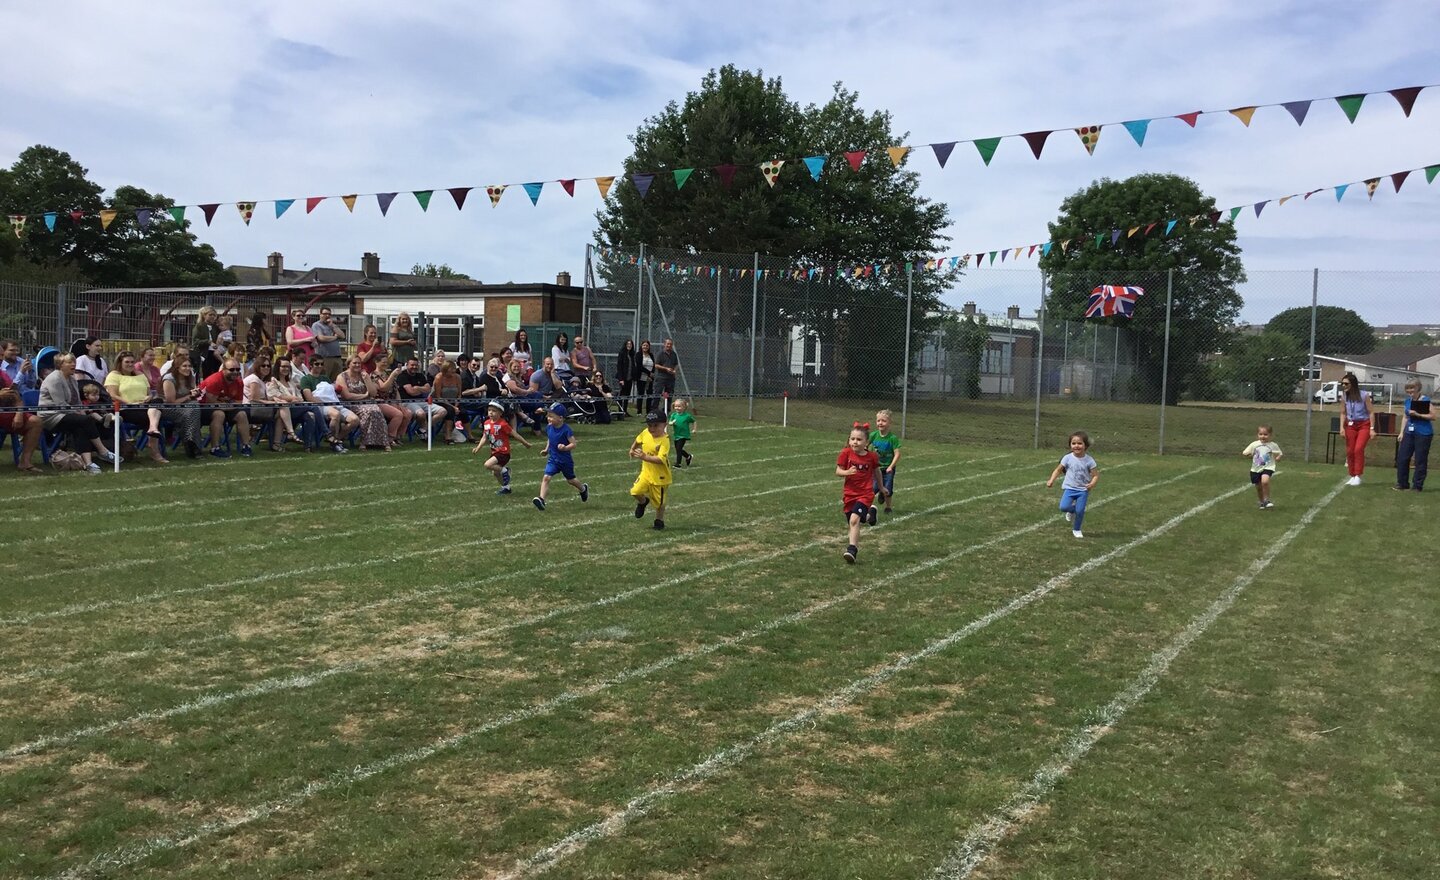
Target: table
pixel 1331 443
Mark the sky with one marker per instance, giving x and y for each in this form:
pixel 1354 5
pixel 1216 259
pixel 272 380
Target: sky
pixel 264 100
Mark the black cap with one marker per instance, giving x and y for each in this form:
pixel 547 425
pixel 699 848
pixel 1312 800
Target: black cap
pixel 653 417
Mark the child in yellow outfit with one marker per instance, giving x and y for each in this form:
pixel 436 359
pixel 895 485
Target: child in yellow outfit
pixel 652 447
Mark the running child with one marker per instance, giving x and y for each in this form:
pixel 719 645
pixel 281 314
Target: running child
pixel 682 423
pixel 1081 475
pixel 887 449
pixel 496 434
pixel 652 448
pixel 559 443
pixel 1263 454
pixel 857 464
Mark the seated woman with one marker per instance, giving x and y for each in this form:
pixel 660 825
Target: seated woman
pixel 445 391
pixel 15 420
pixel 180 392
pixel 132 390
pixel 147 368
pixel 262 406
pixel 283 387
pixel 397 417
pixel 354 384
pixel 527 402
pixel 60 410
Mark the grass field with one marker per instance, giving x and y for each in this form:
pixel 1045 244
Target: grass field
pixel 370 665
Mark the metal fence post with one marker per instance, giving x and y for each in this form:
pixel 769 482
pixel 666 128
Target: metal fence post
pixel 1310 365
pixel 60 329
pixel 1165 359
pixel 1040 361
pixel 905 386
pixel 715 375
pixel 640 296
pixel 754 305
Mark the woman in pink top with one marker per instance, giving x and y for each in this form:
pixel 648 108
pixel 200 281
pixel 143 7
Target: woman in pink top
pixel 371 351
pixel 299 339
pixel 147 368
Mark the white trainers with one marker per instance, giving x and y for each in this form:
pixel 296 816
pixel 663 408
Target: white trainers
pixel 1077 533
pixel 1069 517
pixel 1354 481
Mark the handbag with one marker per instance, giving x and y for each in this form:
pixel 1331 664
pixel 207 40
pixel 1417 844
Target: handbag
pixel 62 460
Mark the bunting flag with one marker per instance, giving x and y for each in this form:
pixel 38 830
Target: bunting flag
pixel 17 223
pixel 1244 114
pixel 815 164
pixel 107 217
pixel 533 191
pixel 1371 185
pixel 1339 191
pixel 1298 110
pixel 495 191
pixel 384 200
pixel 1114 236
pixel 855 157
pixel 423 197
pixel 1151 227
pixel 1260 206
pixel 209 211
pixel 1189 118
pixel 283 205
pixel 75 217
pixel 1109 300
pixel 310 204
pixel 1133 230
pixel 1045 249
pixel 1137 129
pixel 897 155
pixel 986 148
pixel 1089 136
pixel 1234 212
pixel 642 182
pixel 1036 140
pixel 726 173
pixel 247 210
pixel 681 175
pixel 604 183
pixel 1169 225
pixel 942 152
pixel 142 217
pixel 1406 98
pixel 1430 173
pixel 350 202
pixel 178 213
pixel 1284 199
pixel 771 170
pixel 1351 105
pixel 459 193
pixel 569 187
pixel 1398 178
pixel 50 221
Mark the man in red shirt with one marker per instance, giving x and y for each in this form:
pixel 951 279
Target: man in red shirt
pixel 14 420
pixel 226 393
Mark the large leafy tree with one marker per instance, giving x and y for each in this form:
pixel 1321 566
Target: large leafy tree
pixel 1271 363
pixel 1203 255
pixel 1337 330
pixel 869 216
pixel 164 254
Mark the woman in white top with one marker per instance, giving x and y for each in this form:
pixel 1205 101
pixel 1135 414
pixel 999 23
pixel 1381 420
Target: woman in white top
pixel 560 354
pixel 283 387
pixel 520 348
pixel 88 359
pixel 262 405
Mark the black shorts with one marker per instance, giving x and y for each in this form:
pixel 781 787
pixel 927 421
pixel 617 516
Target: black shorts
pixel 856 508
pixel 1256 475
pixel 503 458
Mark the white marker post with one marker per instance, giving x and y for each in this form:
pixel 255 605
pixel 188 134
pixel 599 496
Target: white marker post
pixel 429 425
pixel 785 409
pixel 115 450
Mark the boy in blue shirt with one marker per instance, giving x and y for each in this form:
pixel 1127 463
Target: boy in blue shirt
pixel 560 442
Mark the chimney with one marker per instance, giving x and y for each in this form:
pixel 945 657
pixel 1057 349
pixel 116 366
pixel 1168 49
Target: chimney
pixel 1013 313
pixel 276 264
pixel 370 265
pixel 563 279
pixel 969 310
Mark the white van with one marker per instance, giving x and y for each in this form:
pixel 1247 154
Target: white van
pixel 1329 393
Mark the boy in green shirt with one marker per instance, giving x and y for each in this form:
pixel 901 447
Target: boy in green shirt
pixel 681 424
pixel 887 447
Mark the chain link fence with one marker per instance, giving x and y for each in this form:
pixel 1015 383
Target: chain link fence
pixel 1012 356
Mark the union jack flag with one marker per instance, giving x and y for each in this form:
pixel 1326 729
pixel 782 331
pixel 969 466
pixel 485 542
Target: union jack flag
pixel 1112 299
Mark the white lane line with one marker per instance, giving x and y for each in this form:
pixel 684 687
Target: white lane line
pixel 977 845
pixel 326 506
pixel 696 775
pixel 447 588
pixel 344 565
pixel 134 853
pixel 433 644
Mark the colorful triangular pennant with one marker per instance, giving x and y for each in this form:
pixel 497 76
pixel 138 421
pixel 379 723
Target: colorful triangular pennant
pixel 458 194
pixel 681 175
pixel 1371 185
pixel 423 197
pixel 1340 191
pixel 1137 129
pixel 1036 140
pixel 247 210
pixel 310 204
pixel 384 200
pixel 142 217
pixel 495 191
pixel 1298 110
pixel 1260 206
pixel 281 206
pixel 942 152
pixel 816 164
pixel 1189 118
pixel 210 210
pixel 1235 212
pixel 1406 97
pixel 855 157
pixel 1169 225
pixel 107 217
pixel 604 184
pixel 178 213
pixel 1243 114
pixel 1430 173
pixel 76 216
pixel 642 182
pixel 50 220
pixel 1114 236
pixel 533 191
pixel 350 202
pixel 986 147
pixel 897 155
pixel 569 187
pixel 17 223
pixel 1089 136
pixel 1398 178
pixel 1351 105
pixel 771 170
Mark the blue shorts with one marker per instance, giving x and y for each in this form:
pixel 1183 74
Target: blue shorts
pixel 564 468
pixel 884 481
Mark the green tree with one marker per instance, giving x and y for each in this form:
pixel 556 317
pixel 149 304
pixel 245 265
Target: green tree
pixel 1270 362
pixel 963 338
pixel 45 179
pixel 430 270
pixel 1337 330
pixel 872 216
pixel 1203 255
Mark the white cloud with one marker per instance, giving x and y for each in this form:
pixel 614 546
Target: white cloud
pixel 274 100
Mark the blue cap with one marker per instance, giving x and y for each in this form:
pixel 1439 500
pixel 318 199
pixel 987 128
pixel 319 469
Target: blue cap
pixel 558 409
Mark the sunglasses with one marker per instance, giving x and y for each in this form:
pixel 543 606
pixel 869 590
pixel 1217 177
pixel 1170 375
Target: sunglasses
pixel 234 370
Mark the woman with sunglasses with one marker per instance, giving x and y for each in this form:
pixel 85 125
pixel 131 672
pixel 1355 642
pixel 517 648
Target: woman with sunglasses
pixel 1359 409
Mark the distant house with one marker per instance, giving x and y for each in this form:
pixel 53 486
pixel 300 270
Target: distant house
pixel 1007 364
pixel 1385 366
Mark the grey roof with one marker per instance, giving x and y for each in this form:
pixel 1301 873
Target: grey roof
pixel 1399 356
pixel 260 275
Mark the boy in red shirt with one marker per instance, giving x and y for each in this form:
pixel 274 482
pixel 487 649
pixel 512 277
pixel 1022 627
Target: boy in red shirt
pixel 496 434
pixel 857 464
